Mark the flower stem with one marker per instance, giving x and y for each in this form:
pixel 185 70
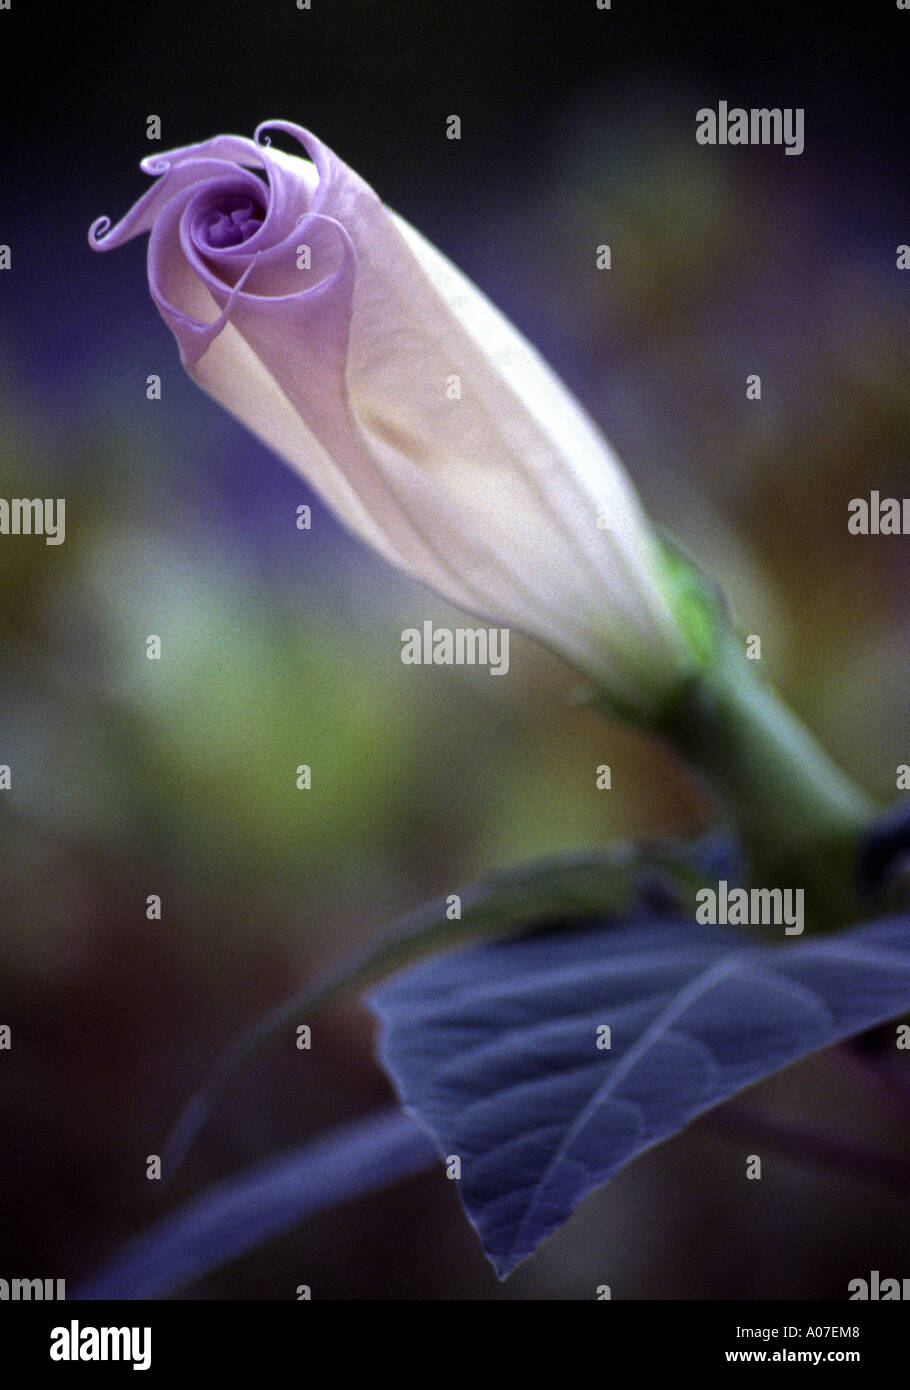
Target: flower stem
pixel 801 820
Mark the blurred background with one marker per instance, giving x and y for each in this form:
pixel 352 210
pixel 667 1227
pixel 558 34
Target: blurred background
pixel 279 647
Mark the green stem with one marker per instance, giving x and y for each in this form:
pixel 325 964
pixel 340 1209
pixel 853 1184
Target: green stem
pixel 800 819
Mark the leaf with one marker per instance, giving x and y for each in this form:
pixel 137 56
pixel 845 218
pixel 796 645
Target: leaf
pixel 242 1212
pixel 494 1049
pixel 586 885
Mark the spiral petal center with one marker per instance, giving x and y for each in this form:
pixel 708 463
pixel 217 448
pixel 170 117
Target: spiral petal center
pixel 230 220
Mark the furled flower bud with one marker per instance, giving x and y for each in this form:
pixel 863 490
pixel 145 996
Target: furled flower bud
pixel 437 434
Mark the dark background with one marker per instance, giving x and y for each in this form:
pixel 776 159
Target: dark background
pixel 578 127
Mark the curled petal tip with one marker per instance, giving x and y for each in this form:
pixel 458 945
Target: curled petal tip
pixel 299 133
pixel 155 164
pixel 98 230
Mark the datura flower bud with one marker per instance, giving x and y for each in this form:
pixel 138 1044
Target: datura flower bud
pixel 430 426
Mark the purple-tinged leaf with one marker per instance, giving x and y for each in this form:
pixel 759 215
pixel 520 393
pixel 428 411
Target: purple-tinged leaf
pixel 495 1049
pixel 658 878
